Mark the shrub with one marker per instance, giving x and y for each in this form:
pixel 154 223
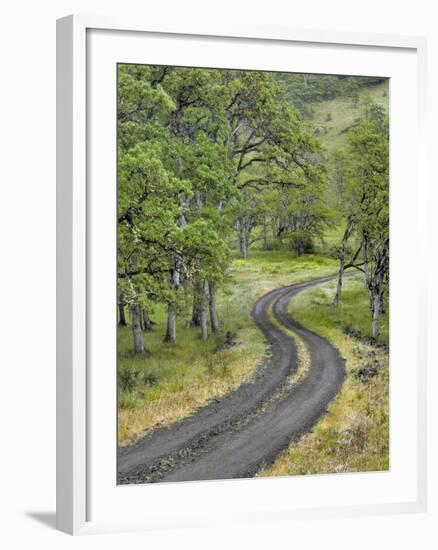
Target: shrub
pixel 130 377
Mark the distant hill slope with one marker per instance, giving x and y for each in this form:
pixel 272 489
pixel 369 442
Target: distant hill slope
pixel 332 103
pixel 332 118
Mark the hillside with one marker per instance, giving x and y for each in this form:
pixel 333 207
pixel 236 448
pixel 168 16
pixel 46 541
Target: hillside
pixel 333 118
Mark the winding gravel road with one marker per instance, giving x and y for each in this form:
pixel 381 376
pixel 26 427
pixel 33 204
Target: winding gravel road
pixel 236 436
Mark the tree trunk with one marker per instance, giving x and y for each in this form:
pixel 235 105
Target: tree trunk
pixel 187 305
pixel 376 271
pixel 337 297
pixel 175 281
pixel 377 308
pixel 245 245
pixel 239 237
pixel 246 228
pixel 122 318
pixel 141 321
pixel 265 238
pixel 297 246
pixel 136 329
pixel 347 234
pixel 377 291
pixel 214 320
pixel 366 269
pixel 171 324
pixel 147 325
pixel 243 228
pixel 204 303
pixel 196 313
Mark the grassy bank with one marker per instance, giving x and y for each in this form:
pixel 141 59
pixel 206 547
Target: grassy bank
pixel 173 381
pixel 314 308
pixel 354 433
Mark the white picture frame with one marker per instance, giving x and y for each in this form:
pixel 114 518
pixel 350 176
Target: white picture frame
pixel 75 217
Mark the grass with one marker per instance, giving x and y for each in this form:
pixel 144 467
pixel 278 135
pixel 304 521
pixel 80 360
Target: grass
pixel 265 270
pixel 173 381
pixel 354 433
pixel 314 307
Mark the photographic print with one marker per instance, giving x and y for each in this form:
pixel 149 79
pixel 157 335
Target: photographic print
pixel 253 274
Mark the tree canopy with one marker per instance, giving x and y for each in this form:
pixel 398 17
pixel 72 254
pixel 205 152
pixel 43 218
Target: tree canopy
pixel 198 151
pixel 214 160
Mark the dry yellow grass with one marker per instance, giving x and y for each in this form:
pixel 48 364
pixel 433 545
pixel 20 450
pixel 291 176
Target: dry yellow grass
pixel 176 400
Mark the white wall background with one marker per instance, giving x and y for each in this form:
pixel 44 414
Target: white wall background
pixel 27 272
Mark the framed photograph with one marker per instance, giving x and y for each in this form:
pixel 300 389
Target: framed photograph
pixel 239 334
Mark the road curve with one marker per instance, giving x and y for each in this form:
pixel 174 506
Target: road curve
pixel 236 436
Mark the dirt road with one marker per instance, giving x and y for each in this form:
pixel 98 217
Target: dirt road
pixel 247 430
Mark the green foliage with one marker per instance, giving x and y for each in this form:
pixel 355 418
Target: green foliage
pixel 204 153
pixel 369 177
pixel 129 378
pixel 199 152
pixel 361 183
